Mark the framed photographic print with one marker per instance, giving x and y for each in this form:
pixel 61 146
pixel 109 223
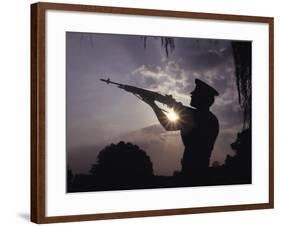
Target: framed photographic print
pixel 139 112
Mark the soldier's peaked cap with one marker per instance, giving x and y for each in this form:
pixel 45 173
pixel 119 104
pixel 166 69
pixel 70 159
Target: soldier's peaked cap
pixel 204 87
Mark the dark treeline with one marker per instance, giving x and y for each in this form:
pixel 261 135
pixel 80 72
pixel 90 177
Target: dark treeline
pixel 125 166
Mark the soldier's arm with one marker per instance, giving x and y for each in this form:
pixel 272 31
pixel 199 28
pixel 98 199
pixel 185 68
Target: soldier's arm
pixel 163 119
pixel 185 114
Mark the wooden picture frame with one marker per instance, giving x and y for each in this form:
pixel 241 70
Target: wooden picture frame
pixel 38 111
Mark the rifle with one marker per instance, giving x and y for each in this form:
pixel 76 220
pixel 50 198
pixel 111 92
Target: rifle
pixel 144 93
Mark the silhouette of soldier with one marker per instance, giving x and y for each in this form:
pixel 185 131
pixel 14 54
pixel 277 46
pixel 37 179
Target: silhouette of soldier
pixel 199 129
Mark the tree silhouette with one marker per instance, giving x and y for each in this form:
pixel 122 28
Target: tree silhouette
pixel 122 166
pixel 237 169
pixel 240 166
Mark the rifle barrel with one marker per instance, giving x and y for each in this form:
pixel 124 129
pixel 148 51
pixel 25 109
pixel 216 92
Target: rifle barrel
pixel 110 82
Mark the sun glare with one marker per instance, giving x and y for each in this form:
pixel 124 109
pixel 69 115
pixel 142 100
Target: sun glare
pixel 172 115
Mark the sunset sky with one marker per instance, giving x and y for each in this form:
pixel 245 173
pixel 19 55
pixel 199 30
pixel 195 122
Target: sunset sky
pixel 98 114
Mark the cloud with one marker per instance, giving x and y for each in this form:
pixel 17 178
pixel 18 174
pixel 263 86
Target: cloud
pixel 169 78
pixel 176 77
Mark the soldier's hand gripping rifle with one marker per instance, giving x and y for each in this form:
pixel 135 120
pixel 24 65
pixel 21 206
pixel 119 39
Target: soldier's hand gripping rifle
pixel 145 94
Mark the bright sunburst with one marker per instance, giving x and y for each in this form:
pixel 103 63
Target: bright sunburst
pixel 172 115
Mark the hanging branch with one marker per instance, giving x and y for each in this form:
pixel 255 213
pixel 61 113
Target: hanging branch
pixel 242 52
pixel 167 43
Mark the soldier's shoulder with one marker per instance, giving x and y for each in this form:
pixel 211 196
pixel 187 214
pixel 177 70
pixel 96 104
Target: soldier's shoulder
pixel 183 108
pixel 188 109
